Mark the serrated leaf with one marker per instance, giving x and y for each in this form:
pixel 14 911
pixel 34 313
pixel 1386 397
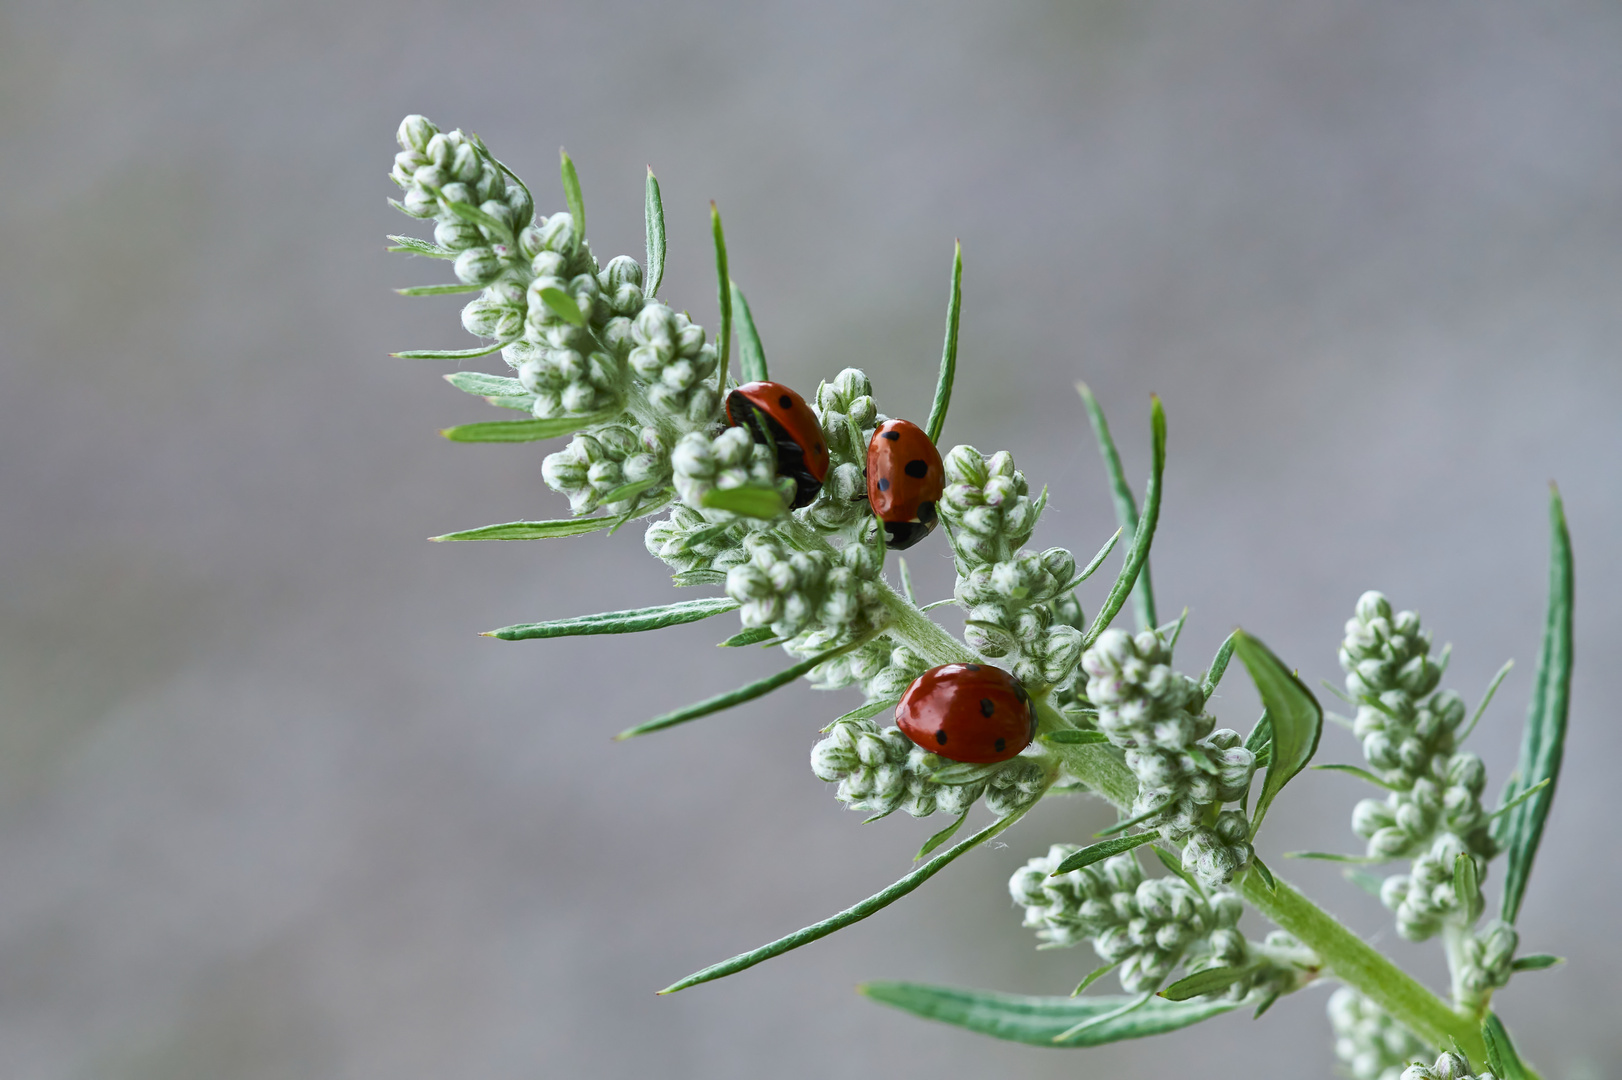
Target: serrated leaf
pixel 451 354
pixel 1359 772
pixel 1219 665
pixel 1074 738
pixel 1137 556
pixel 854 914
pixel 1293 713
pixel 631 621
pixel 518 431
pixel 723 289
pixel 1036 1021
pixel 751 353
pixel 1535 962
pixel 1544 739
pixel 948 371
pixel 721 702
pixel 477 382
pixel 410 245
pixel 1104 849
pixel 563 306
pixel 531 530
pixel 654 220
pixel 438 290
pixel 1205 982
pixel 1126 507
pixel 941 837
pixel 1502 1059
pixel 750 501
pixel 572 196
pixel 753 636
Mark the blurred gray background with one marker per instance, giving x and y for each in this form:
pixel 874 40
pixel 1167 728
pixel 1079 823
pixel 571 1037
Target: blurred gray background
pixel 270 809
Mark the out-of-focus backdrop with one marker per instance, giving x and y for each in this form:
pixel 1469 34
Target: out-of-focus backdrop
pixel 269 808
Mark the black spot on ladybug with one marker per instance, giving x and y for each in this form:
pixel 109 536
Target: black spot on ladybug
pixel 784 401
pixel 817 448
pixel 884 483
pixel 1000 745
pixel 940 736
pixel 986 707
pixel 892 435
pixel 917 468
pixel 972 667
pixel 926 513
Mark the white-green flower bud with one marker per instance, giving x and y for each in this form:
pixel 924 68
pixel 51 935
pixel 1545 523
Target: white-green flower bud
pixel 414 133
pixel 879 772
pixel 1449 1066
pixel 1368 1043
pixel 477 266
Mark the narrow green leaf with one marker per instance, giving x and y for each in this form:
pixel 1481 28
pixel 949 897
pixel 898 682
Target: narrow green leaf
pixel 1093 976
pixel 1126 508
pixel 1131 1006
pixel 1359 772
pixel 1205 982
pixel 753 636
pixel 1219 665
pixel 474 216
pixel 856 913
pixel 410 245
pixel 1467 886
pixel 1093 565
pixel 751 353
pixel 948 373
pixel 1074 738
pixel 939 603
pixel 1535 962
pixel 619 622
pixel 563 306
pixel 531 530
pixel 477 382
pixel 685 578
pixel 1521 798
pixel 1102 850
pixel 1176 630
pixel 1264 873
pixel 1502 1059
pixel 1330 856
pixel 723 290
pixel 629 491
pixel 1143 530
pixel 941 837
pixel 1175 865
pixel 1036 1021
pixel 1267 1003
pixel 516 431
pixel 1369 883
pixel 750 501
pixel 865 711
pixel 1294 714
pixel 654 215
pixel 450 354
pixel 1136 819
pixel 523 404
pixel 572 196
pixel 727 700
pixel 906 581
pixel 438 290
pixel 1544 740
pixel 962 772
pixel 1486 699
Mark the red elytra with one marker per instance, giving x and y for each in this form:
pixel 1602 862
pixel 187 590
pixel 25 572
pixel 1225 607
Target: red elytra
pixel 967 712
pixel 802 452
pixel 905 479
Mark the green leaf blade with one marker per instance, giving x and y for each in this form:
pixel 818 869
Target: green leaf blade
pixel 531 530
pixel 1104 849
pixel 723 290
pixel 563 306
pixel 520 431
pixel 1209 981
pixel 1137 556
pixel 1219 665
pixel 654 221
pixel 630 621
pixel 572 196
pixel 438 290
pixel 1294 714
pixel 751 353
pixel 450 354
pixel 1037 1021
pixel 1126 508
pixel 410 245
pixel 750 501
pixel 1543 740
pixel 1502 1059
pixel 948 372
pixel 477 382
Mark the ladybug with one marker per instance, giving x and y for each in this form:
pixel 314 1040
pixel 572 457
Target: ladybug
pixel 905 479
pixel 776 414
pixel 967 712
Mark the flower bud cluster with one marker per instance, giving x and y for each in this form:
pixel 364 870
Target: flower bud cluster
pixel 1369 1044
pixel 882 668
pixel 1015 601
pixel 443 172
pixel 849 416
pixel 1183 766
pixel 1147 925
pixel 667 352
pixel 1449 1066
pixel 794 592
pixel 1409 730
pixel 702 463
pixel 690 543
pixel 1484 958
pixel 880 771
pixel 594 466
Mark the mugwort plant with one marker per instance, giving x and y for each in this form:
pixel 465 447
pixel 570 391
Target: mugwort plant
pixel 790 507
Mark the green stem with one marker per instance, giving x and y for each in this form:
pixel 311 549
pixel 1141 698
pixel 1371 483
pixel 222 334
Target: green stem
pixel 1100 767
pixel 920 633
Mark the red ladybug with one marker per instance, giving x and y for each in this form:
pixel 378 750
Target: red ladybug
pixel 967 712
pixel 776 414
pixel 905 479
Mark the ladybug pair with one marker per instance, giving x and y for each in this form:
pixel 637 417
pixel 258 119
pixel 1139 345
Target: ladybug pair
pixel 905 478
